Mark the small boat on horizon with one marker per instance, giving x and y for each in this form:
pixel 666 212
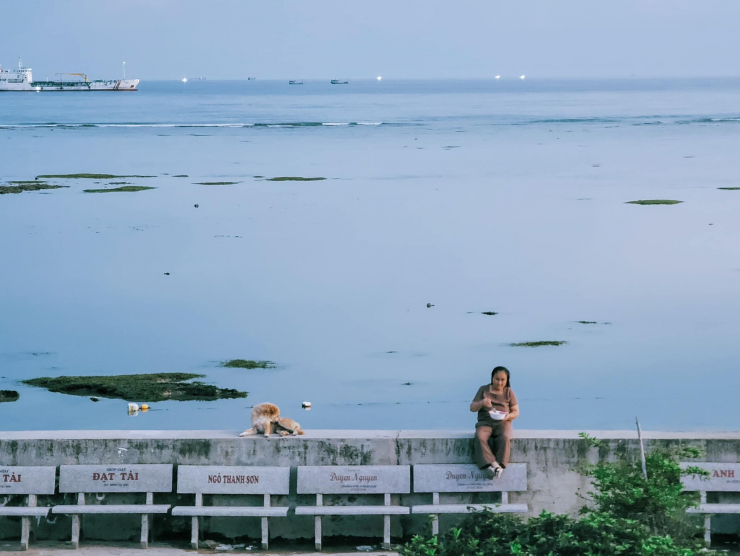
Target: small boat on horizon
pixel 251 78
pixel 340 81
pixel 295 82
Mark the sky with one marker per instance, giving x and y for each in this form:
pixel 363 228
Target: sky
pixel 398 39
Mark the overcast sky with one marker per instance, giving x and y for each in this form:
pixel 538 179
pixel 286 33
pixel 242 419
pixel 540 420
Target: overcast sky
pixel 233 39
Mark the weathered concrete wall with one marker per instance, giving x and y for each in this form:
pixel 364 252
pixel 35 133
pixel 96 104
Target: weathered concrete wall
pixel 553 457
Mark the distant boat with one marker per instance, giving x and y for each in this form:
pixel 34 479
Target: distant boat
pixel 251 78
pixel 340 82
pixel 295 82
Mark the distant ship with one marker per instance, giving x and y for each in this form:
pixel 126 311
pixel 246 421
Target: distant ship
pixel 339 81
pixel 22 80
pixel 251 78
pixel 295 82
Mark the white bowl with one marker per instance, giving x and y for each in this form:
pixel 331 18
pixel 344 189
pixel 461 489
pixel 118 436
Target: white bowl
pixel 497 415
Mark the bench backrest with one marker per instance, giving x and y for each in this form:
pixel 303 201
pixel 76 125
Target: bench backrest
pixel 207 479
pixel 27 480
pixel 468 478
pixel 360 479
pixel 723 477
pixel 115 478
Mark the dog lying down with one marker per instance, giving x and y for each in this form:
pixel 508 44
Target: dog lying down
pixel 266 419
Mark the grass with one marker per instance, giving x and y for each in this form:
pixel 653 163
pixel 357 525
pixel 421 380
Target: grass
pixel 155 387
pixel 723 188
pixel 87 176
pixel 247 364
pixel 125 188
pixel 489 313
pixel 9 396
pixel 294 178
pixel 119 183
pixel 181 176
pixel 217 183
pixel 654 202
pixel 539 344
pixel 21 186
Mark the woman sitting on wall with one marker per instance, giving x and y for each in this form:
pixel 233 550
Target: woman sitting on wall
pixel 497 407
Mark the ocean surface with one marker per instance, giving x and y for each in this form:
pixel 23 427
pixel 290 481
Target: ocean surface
pixel 472 196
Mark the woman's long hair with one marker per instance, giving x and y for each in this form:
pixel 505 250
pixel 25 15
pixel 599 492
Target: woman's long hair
pixel 508 375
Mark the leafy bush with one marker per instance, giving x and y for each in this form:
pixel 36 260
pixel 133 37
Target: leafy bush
pixel 629 517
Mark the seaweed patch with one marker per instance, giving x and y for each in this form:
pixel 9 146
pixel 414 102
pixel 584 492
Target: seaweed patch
pixel 154 387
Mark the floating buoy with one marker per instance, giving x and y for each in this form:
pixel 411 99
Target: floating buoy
pixel 145 407
pixel 306 405
pixel 133 407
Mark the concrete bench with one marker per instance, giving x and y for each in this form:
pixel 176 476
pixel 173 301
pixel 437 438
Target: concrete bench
pixel 110 478
pixel 723 477
pixel 437 478
pixel 365 479
pixel 30 481
pixel 203 479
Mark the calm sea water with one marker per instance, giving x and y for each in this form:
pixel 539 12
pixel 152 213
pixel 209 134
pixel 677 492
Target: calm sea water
pixel 470 195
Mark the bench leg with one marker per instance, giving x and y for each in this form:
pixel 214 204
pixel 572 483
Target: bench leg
pixel 76 531
pixel 435 524
pixel 317 531
pixel 708 530
pixel 265 534
pixel 144 531
pixel 386 532
pixel 194 534
pixel 25 531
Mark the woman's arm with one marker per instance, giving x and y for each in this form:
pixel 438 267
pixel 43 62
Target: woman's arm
pixel 477 406
pixel 513 413
pixel 479 402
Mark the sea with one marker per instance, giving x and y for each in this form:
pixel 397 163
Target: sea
pixel 443 200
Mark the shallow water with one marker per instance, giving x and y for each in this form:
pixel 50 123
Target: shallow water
pixel 470 195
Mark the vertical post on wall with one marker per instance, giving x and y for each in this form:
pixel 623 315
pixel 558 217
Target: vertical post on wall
pixel 76 521
pixel 265 530
pixel 707 520
pixel 195 530
pixel 26 523
pixel 642 449
pixel 317 522
pixel 387 525
pixel 435 517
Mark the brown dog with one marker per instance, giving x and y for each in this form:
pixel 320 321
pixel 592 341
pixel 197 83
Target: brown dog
pixel 264 416
pixel 286 426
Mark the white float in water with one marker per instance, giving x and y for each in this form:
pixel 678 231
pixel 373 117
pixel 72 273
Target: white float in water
pixel 521 77
pixel 498 77
pixel 379 78
pixel 184 79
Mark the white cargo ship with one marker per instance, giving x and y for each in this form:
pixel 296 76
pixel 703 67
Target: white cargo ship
pixel 21 79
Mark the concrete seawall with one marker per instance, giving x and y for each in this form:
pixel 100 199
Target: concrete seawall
pixel 553 478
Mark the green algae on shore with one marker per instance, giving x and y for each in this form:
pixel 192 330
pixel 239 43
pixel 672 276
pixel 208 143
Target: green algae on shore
pixel 87 176
pixel 539 344
pixel 247 364
pixel 125 188
pixel 216 182
pixel 181 176
pixel 489 313
pixel 722 188
pixel 156 387
pixel 654 202
pixel 294 178
pixel 21 186
pixel 9 396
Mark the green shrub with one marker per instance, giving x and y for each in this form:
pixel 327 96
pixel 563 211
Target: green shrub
pixel 630 516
